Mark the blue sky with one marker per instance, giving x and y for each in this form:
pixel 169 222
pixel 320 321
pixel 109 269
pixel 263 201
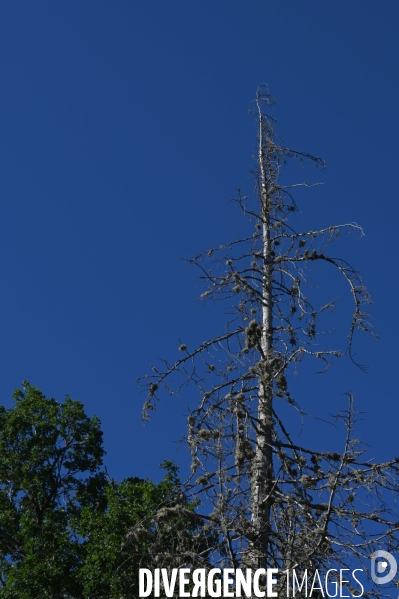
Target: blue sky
pixel 124 134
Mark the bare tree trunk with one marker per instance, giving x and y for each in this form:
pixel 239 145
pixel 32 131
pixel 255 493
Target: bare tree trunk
pixel 263 465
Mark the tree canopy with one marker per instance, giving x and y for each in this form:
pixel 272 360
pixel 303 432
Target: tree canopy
pixel 67 530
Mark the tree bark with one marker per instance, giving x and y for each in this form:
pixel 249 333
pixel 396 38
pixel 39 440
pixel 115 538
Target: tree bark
pixel 263 466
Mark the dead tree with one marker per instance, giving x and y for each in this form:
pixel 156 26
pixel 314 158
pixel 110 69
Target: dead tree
pixel 272 501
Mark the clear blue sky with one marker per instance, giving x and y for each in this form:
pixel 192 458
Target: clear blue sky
pixel 125 132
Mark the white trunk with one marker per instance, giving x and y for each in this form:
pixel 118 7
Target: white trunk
pixel 263 466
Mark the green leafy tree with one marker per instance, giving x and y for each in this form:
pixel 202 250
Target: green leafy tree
pixel 144 526
pixel 50 469
pixel 68 531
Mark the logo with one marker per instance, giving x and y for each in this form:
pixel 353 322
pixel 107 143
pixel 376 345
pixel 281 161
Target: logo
pixel 383 567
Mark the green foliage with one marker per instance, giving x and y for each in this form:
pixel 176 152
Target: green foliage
pixel 133 533
pixel 50 459
pixel 65 530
